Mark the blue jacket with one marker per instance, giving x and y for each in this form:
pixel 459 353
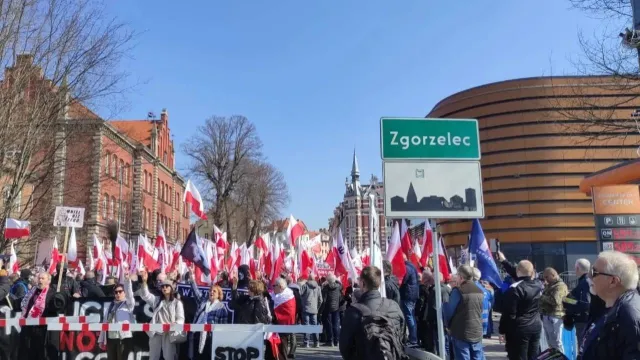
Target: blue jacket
pixel 577 302
pixel 409 290
pixel 487 304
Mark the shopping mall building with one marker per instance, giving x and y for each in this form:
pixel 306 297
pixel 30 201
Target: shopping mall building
pixel 539 142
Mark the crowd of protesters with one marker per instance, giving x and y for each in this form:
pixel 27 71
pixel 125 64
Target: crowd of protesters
pixel 604 308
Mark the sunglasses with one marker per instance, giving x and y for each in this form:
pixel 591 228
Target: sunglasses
pixel 166 286
pixel 119 291
pixel 593 273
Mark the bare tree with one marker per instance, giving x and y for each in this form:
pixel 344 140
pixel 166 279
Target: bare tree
pixel 599 110
pixel 261 196
pixel 59 56
pixel 220 152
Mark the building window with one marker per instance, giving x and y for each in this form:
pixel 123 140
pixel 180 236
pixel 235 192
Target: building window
pixel 161 191
pixel 206 235
pixel 111 207
pixel 106 163
pixel 144 218
pixel 124 214
pixel 114 165
pixel 105 200
pixel 164 158
pixel 148 219
pixel 126 174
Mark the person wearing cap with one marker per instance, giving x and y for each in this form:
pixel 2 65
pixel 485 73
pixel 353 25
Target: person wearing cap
pixel 167 309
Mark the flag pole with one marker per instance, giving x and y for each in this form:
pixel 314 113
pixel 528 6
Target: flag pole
pixel 372 229
pixel 436 277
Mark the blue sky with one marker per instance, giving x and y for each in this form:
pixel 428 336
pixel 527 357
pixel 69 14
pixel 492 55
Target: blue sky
pixel 315 76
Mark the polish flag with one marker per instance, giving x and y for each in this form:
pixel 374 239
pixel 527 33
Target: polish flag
pixel 443 261
pixel 122 251
pixel 13 267
pixel 395 255
pixel 427 244
pixel 98 254
pixel 175 257
pixel 163 251
pixel 366 257
pixel 407 246
pixel 90 260
pixel 294 230
pixel 192 196
pixel 277 260
pixel 14 229
pixel 284 307
pixel 357 262
pixel 56 257
pixel 80 268
pixel 147 254
pixel 72 249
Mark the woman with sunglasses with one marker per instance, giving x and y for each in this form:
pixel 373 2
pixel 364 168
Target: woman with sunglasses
pixel 119 344
pixel 210 310
pixel 167 309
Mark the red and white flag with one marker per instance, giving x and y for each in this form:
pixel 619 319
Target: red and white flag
pixel 56 257
pixel 147 254
pixel 98 254
pixel 284 307
pixel 427 244
pixel 294 230
pixel 163 251
pixel 344 259
pixel 14 229
pixel 395 255
pixel 192 196
pixel 13 267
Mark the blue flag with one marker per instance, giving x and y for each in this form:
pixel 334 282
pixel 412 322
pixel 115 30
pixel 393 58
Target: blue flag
pixel 479 246
pixel 193 252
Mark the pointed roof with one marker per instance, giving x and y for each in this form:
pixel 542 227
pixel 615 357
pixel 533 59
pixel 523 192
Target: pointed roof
pixel 355 170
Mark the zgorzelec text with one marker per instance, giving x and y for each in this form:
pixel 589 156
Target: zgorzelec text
pixel 428 140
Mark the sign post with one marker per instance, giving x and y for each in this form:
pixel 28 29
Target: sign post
pixel 431 169
pixel 67 217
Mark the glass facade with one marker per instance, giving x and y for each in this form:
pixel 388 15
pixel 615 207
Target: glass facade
pixel 559 255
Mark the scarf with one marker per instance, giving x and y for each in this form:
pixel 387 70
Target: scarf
pixel 202 319
pixel 38 305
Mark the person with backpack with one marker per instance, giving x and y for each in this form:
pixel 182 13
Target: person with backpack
pixel 373 327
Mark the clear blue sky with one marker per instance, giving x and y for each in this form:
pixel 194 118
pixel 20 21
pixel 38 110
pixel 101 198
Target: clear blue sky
pixel 315 76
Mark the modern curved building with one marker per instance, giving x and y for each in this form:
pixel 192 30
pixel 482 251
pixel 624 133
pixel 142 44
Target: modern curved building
pixel 539 138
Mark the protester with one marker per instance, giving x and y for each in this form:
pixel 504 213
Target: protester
pixel 391 283
pixel 119 344
pixel 284 311
pixel 552 309
pixel 487 302
pixel 89 287
pixel 408 297
pixel 616 335
pixel 463 313
pixel 293 341
pixel 209 310
pixel 352 344
pixel 311 296
pixel 577 303
pixel 166 310
pixel 41 301
pixel 22 285
pixel 332 293
pixel 520 321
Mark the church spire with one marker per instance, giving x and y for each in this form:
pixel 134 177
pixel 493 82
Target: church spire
pixel 355 171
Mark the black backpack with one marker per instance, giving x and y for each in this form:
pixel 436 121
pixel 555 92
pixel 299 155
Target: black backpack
pixel 377 339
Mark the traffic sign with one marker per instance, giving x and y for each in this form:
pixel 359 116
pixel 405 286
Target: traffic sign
pixel 429 139
pixel 433 189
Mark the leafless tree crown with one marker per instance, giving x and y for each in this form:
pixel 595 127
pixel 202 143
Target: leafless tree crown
pixel 60 56
pixel 245 191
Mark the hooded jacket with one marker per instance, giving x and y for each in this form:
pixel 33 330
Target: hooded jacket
pixel 332 292
pixel 311 296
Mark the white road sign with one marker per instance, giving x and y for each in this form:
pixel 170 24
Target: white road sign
pixel 68 217
pixel 429 189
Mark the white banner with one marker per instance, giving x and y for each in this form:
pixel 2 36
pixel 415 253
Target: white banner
pixel 230 345
pixel 68 217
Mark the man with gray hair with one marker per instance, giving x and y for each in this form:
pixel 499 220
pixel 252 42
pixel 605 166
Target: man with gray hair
pixel 520 321
pixel 487 304
pixel 332 293
pixel 616 335
pixel 463 313
pixel 577 303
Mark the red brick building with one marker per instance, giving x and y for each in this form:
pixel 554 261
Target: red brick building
pixel 131 178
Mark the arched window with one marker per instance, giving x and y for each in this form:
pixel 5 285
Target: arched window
pixel 114 165
pixel 126 174
pixel 107 156
pixel 161 192
pixel 167 193
pixel 112 206
pixel 121 171
pixel 105 200
pixel 144 218
pixel 124 214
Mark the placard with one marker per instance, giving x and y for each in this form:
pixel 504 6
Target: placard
pixel 68 217
pixel 231 345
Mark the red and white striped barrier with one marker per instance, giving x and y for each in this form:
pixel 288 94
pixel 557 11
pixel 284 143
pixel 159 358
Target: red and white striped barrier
pixel 50 321
pixel 286 329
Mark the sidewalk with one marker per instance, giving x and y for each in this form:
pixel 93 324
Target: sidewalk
pixel 493 350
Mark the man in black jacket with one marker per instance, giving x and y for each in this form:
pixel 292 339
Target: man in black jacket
pixel 576 304
pixel 520 321
pixel 369 282
pixel 391 283
pixel 89 287
pixel 332 294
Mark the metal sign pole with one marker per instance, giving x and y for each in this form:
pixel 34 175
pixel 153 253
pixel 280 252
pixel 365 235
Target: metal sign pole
pixel 436 277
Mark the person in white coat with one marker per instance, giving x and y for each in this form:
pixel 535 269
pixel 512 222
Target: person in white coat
pixel 167 309
pixel 119 344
